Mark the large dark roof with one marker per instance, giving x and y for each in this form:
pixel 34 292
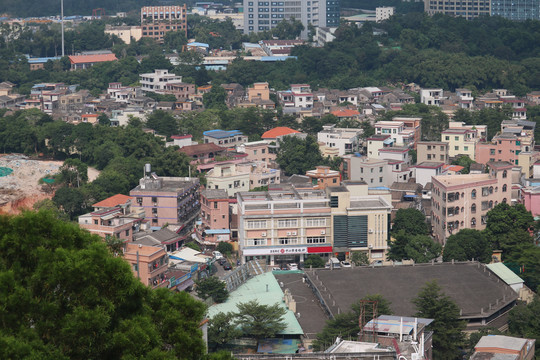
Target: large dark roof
pixel 469 284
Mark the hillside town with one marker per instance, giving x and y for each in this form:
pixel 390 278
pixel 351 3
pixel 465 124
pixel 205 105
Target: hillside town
pixel 275 178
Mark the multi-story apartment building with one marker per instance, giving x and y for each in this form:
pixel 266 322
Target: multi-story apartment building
pixel 156 21
pixel 259 91
pixel 468 10
pixel 401 135
pixel 516 10
pixel 377 142
pixel 427 169
pixel 179 89
pixel 346 140
pixel 460 142
pixel 286 226
pixel 234 178
pixel 215 216
pixel 168 200
pixel 462 202
pixel 515 142
pixel 299 96
pixel 265 15
pixel 396 153
pixel 148 263
pixel 383 13
pixel 113 217
pixel 431 96
pixel 259 151
pixel 432 151
pixel 360 222
pixel 158 80
pixel 226 138
pixel 375 172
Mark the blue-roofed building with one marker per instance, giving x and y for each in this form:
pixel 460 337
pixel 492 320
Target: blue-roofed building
pixel 38 63
pixel 225 138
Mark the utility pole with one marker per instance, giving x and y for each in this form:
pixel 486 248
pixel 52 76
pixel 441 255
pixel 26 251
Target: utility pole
pixel 62 21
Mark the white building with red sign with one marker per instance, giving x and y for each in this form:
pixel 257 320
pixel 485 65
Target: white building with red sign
pixel 284 226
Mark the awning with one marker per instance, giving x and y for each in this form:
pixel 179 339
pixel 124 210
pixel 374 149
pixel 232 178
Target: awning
pixel 388 141
pixel 185 285
pixel 409 196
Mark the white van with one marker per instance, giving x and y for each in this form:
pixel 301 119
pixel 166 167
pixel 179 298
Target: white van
pixel 333 263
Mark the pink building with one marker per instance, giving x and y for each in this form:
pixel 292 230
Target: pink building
pixel 462 202
pixel 215 214
pixel 168 200
pixel 530 197
pixel 323 176
pixel 148 263
pixel 503 147
pixel 259 151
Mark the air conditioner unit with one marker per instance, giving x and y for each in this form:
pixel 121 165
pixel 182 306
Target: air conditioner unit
pixel 288 233
pixel 293 233
pixel 370 231
pixel 323 232
pixel 263 234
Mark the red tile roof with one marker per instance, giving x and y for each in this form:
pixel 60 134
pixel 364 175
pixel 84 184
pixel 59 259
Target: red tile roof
pixel 278 131
pixel 345 113
pixel 83 59
pixel 113 201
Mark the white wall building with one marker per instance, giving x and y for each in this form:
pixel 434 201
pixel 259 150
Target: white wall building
pixel 156 81
pixel 431 96
pixel 383 13
pixel 344 139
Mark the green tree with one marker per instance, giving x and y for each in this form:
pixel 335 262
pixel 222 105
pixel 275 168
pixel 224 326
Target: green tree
pixel 50 206
pixel 104 120
pixel 296 155
pixel 508 229
pixel 70 200
pixel 215 98
pixel 82 301
pixel 260 321
pixel 422 249
pixel 163 122
pixel 225 248
pixel 315 261
pixel 524 321
pixel 212 287
pixel 345 325
pixel 447 328
pixel 466 245
pixel 410 220
pixel 359 258
pixel 73 173
pixel 288 29
pixel 193 245
pixel 465 161
pixel 221 330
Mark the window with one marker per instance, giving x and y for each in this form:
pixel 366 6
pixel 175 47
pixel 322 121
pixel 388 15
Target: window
pixel 456 148
pixel 473 222
pixel 154 199
pixel 255 242
pixel 334 201
pixel 256 224
pixel 473 208
pixel 492 152
pixel 504 188
pixel 127 232
pixel 465 148
pixel 316 240
pixel 316 222
pixel 215 204
pixel 380 169
pixel 380 179
pixel 505 174
pixel 288 223
pixel 484 220
pixel 485 191
pixel 456 138
pixel 288 241
pixel 473 194
pixel 485 205
pixel 139 200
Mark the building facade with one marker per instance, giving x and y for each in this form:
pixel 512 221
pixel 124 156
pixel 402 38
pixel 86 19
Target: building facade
pixel 148 263
pixel 156 21
pixel 346 140
pixel 265 15
pixel 168 200
pixel 462 202
pixel 432 151
pixel 158 80
pixel 468 10
pixel 226 138
pixel 283 226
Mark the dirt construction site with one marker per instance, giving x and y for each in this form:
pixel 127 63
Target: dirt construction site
pixel 19 181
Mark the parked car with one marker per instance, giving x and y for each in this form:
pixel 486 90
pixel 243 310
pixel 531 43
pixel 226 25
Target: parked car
pixel 346 264
pixel 217 255
pixel 227 266
pixel 377 263
pixel 292 266
pixel 222 261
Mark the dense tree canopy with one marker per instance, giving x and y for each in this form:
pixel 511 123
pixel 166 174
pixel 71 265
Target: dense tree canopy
pixel 345 325
pixel 65 296
pixel 432 303
pixel 410 220
pixel 466 245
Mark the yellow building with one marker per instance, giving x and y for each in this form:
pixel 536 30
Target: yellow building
pixel 460 142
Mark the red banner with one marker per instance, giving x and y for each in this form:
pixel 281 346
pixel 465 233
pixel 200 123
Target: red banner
pixel 319 249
